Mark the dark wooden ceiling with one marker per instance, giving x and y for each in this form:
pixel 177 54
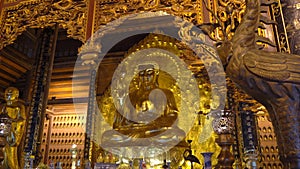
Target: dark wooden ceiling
pixel 18 62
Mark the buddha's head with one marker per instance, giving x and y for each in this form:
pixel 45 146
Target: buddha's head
pixel 148 74
pixel 11 94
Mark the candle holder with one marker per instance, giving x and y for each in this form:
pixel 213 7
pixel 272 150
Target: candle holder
pixel 74 151
pixel 224 127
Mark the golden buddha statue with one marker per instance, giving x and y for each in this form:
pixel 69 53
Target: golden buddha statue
pixel 16 111
pixel 148 116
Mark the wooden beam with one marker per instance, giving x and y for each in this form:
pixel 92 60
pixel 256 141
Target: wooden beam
pixel 69 69
pixel 4 83
pixel 10 70
pixel 17 57
pixel 1 7
pixel 90 19
pixel 69 89
pixel 70 74
pixel 68 95
pixel 78 79
pixel 68 83
pixel 13 64
pixel 69 63
pixel 7 76
pixel 31 35
pixel 67 101
pixel 59 59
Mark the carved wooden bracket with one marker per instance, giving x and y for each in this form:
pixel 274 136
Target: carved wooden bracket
pixel 70 15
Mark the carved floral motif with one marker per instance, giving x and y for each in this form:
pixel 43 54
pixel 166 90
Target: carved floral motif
pixel 70 15
pixel 107 11
pixel 230 13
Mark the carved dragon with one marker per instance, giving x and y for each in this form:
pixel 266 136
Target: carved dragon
pixel 272 78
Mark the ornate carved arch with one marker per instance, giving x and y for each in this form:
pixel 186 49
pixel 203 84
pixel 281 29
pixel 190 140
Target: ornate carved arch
pixel 107 11
pixel 81 17
pixel 16 17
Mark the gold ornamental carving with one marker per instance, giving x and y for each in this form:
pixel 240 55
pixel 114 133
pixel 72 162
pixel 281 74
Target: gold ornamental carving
pixel 107 11
pixel 225 15
pixel 230 11
pixel 70 15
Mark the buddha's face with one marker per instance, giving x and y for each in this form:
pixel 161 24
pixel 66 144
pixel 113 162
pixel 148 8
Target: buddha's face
pixel 11 94
pixel 148 76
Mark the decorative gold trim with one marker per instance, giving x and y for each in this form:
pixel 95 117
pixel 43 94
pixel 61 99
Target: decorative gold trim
pixel 70 15
pixel 107 11
pixel 230 14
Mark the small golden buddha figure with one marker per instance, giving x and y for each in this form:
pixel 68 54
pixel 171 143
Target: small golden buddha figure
pixel 148 116
pixel 16 111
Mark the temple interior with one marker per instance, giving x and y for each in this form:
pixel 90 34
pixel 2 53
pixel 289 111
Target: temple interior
pixel 144 84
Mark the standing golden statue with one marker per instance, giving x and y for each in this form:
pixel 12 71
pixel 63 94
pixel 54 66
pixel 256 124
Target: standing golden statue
pixel 16 111
pixel 148 112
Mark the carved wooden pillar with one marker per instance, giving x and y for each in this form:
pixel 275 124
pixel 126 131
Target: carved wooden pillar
pixel 42 75
pixel 286 13
pixel 89 57
pixel 291 14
